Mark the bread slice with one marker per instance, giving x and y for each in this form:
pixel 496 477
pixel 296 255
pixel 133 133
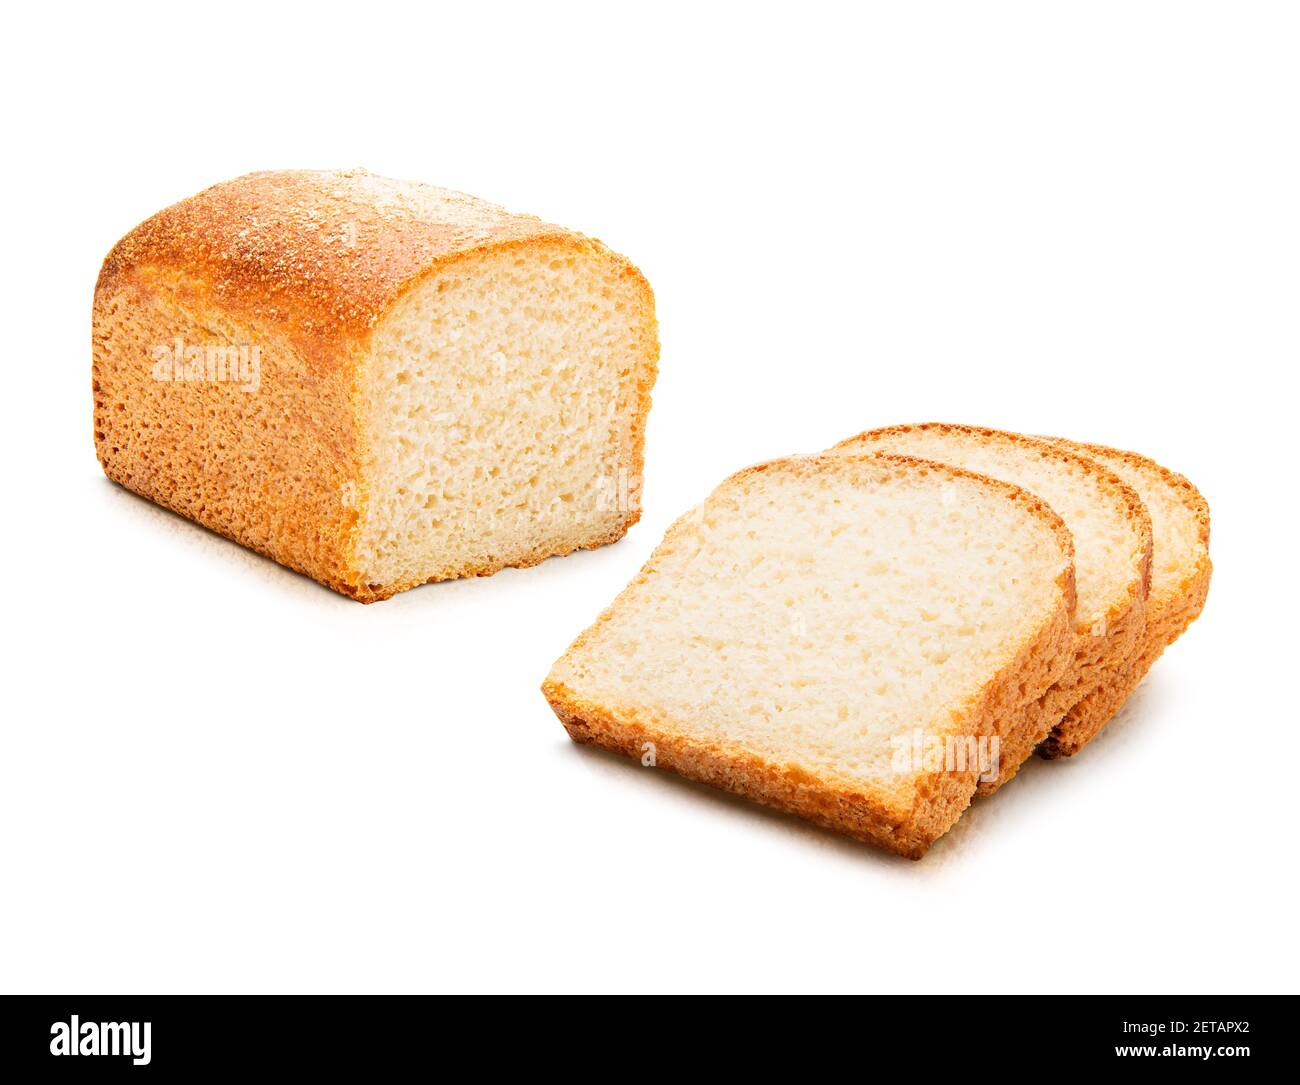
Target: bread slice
pixel 1180 580
pixel 1112 540
pixel 377 383
pixel 839 637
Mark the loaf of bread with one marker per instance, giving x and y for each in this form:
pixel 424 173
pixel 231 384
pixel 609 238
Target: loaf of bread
pixel 1180 581
pixel 377 383
pixel 1113 546
pixel 841 637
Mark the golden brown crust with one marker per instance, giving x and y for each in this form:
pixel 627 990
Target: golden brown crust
pixel 1108 480
pixel 1167 616
pixel 940 797
pixel 1090 715
pixel 317 256
pixel 304 264
pixel 1099 653
pixel 266 470
pixel 1188 494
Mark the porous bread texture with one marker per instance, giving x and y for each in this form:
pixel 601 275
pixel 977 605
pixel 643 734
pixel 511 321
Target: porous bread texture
pixel 796 631
pixel 505 417
pixel 1180 581
pixel 444 388
pixel 1112 540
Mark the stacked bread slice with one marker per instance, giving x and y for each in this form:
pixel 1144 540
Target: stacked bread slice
pixel 872 636
pixel 1180 580
pixel 1112 543
pixel 828 636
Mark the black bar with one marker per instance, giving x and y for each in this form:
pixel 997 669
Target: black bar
pixel 387 1035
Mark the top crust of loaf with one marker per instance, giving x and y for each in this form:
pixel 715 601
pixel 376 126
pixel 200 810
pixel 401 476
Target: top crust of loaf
pixel 318 256
pixel 317 267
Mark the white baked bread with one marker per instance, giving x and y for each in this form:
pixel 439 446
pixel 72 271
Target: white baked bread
pixel 827 635
pixel 377 383
pixel 1112 544
pixel 1180 581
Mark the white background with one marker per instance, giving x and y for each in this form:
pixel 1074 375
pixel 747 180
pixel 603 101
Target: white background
pixel 1080 219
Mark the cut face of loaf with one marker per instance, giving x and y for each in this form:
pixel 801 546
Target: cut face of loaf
pixel 1112 546
pixel 377 383
pixel 1180 580
pixel 839 637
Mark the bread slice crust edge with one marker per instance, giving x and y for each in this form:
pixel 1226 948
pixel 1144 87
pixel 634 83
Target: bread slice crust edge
pixel 1099 655
pixel 1166 621
pixel 940 797
pixel 315 298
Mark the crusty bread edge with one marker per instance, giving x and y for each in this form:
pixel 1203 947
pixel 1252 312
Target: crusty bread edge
pixel 1164 624
pixel 1192 499
pixel 940 797
pixel 1142 584
pixel 141 262
pixel 1122 624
